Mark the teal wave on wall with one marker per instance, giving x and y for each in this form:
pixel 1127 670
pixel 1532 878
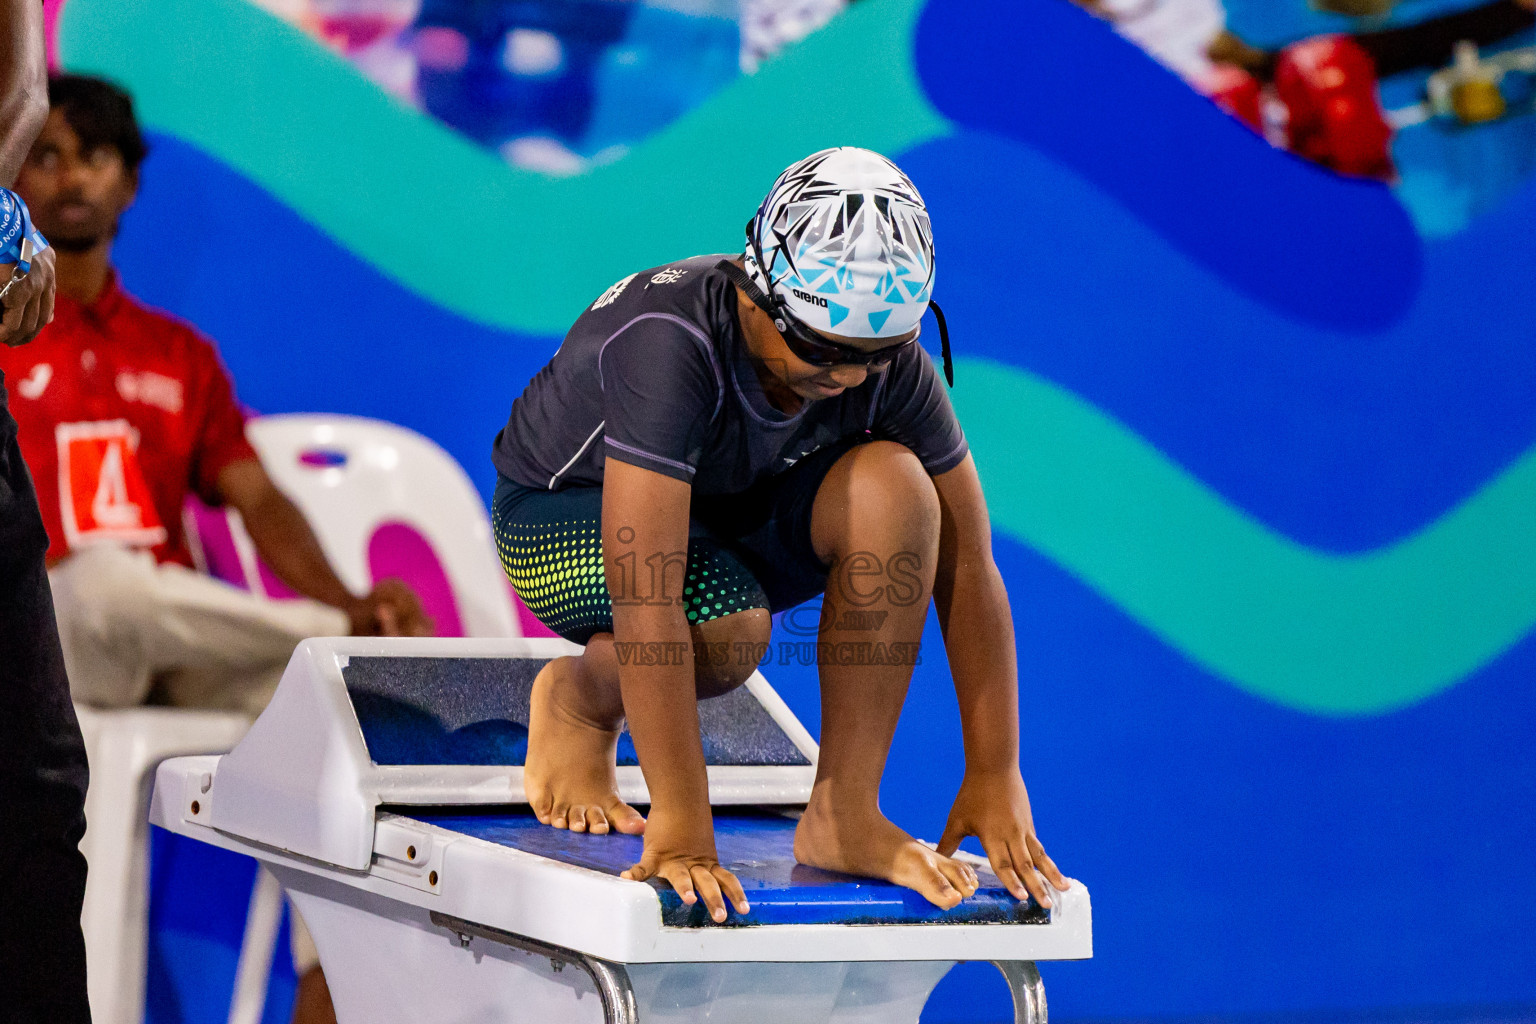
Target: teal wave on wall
pixel 1362 633
pixel 1321 632
pixel 443 218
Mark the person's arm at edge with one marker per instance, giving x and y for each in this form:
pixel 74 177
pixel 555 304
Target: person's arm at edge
pixel 660 701
pixel 286 542
pixel 968 591
pixel 23 83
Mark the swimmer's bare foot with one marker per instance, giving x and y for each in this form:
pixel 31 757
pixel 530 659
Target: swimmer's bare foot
pixel 568 775
pixel 867 843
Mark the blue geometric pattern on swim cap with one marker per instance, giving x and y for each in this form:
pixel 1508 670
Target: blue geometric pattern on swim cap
pixel 846 223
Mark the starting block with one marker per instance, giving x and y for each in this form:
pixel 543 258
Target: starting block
pixel 383 788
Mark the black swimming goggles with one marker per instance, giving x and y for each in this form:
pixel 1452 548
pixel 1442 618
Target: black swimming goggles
pixel 815 348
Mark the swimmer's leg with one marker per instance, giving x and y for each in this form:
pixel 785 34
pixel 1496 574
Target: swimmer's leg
pixel 878 501
pixel 577 713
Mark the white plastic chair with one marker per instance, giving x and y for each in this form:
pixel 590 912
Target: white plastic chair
pixel 124 747
pixel 349 476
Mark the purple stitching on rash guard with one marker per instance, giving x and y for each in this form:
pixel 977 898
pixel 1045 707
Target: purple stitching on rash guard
pixel 776 424
pixel 647 455
pixel 691 328
pixel 951 453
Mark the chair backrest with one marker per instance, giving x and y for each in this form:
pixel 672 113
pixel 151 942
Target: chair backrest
pixel 384 501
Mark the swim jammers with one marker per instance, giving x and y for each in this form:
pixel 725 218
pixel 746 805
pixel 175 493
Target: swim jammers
pixel 748 550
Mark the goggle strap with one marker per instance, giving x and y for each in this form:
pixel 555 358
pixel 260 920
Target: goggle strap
pixel 741 279
pixel 949 369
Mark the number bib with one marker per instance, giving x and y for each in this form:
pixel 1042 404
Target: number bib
pixel 103 495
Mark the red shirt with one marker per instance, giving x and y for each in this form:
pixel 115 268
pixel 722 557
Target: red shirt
pixel 122 410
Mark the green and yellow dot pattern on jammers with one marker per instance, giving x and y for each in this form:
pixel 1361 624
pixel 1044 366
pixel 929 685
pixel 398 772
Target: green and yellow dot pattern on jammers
pixel 557 571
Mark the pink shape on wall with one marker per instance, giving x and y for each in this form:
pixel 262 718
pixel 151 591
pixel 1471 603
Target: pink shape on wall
pixel 398 549
pixel 395 549
pixel 213 536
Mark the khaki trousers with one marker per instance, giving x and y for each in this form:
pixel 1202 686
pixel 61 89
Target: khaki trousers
pixel 132 629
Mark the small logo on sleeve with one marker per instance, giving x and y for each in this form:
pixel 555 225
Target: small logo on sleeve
pixel 671 275
pixel 613 292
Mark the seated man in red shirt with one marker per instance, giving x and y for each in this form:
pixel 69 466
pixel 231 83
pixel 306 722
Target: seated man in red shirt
pixel 123 411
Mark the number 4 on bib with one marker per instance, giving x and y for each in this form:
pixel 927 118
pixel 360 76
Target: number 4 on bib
pixel 103 495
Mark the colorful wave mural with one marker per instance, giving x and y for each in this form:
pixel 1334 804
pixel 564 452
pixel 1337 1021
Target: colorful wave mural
pixel 1261 456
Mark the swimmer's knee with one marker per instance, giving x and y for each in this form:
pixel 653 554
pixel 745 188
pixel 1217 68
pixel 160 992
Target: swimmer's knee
pixel 726 650
pixel 879 482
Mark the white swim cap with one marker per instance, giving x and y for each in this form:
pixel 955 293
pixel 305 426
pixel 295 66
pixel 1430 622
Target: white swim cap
pixel 846 244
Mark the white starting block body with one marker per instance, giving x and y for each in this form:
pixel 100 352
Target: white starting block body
pixel 383 788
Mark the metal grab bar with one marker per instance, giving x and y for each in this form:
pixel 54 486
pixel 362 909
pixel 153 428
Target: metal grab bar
pixel 611 980
pixel 1026 988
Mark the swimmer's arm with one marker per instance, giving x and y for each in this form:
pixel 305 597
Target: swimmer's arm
pixel 285 542
pixel 645 528
pixel 969 596
pixel 968 588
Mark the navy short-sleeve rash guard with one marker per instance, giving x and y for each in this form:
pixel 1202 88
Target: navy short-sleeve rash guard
pixel 656 373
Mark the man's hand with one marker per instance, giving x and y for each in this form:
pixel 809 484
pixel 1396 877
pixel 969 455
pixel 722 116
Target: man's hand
pixel 995 809
pixel 29 303
pixel 390 609
pixel 685 857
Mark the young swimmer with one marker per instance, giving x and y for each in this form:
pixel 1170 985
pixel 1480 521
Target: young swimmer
pixel 720 439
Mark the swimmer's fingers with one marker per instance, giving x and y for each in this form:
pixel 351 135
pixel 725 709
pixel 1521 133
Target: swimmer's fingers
pixel 1046 865
pixel 954 831
pixel 732 889
pixel 1025 866
pixel 679 874
pixel 708 887
pixel 1002 867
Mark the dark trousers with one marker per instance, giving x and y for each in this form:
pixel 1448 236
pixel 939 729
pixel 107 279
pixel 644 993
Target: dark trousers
pixel 42 773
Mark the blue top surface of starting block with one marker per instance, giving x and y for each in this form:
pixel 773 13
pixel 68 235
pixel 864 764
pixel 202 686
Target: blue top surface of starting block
pixel 758 846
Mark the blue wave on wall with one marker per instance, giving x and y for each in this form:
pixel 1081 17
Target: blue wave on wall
pixel 1341 440
pixel 1271 225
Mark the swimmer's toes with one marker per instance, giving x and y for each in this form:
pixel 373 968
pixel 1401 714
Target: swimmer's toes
pixel 624 818
pixel 959 875
pixel 541 803
pixel 938 891
pixel 559 817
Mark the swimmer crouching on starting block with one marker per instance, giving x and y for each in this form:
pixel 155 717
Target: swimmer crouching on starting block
pixel 714 438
